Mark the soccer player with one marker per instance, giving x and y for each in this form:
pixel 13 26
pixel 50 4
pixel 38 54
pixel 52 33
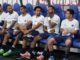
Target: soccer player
pixel 22 25
pixel 11 18
pixel 69 28
pixel 51 25
pixel 36 31
pixel 2 25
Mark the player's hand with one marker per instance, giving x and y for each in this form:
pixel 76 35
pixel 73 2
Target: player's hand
pixel 65 32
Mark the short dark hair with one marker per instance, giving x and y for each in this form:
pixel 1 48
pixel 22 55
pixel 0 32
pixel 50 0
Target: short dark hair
pixel 51 6
pixel 37 8
pixel 71 11
pixel 0 5
pixel 23 6
pixel 9 5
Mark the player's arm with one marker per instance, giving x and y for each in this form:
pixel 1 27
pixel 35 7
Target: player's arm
pixel 74 32
pixel 45 28
pixel 63 30
pixel 29 25
pixel 35 27
pixel 13 23
pixel 5 24
pixel 52 24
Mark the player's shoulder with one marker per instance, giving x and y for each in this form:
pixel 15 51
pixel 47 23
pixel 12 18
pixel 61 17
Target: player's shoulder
pixel 75 20
pixel 4 13
pixel 56 16
pixel 41 16
pixel 14 12
pixel 28 15
pixel 64 20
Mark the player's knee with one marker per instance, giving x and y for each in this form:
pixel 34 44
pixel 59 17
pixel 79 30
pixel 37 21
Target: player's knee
pixel 51 41
pixel 37 38
pixel 68 42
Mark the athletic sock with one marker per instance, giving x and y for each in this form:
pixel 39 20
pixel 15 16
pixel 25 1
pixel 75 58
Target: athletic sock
pixel 12 48
pixel 51 53
pixel 46 54
pixel 3 47
pixel 23 50
pixel 0 45
pixel 67 49
pixel 32 52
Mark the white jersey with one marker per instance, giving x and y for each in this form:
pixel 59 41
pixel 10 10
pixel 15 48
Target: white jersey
pixel 35 20
pixel 54 19
pixel 22 20
pixel 2 17
pixel 70 25
pixel 10 18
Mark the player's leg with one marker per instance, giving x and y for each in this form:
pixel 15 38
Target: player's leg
pixel 49 50
pixel 15 42
pixel 67 48
pixel 5 40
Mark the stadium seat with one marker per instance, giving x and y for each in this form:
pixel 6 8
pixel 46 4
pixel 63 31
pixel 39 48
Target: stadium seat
pixel 76 43
pixel 4 6
pixel 44 9
pixel 30 9
pixel 59 11
pixel 76 12
pixel 16 8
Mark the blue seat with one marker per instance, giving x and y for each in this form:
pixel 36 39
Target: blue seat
pixel 44 9
pixel 76 43
pixel 59 11
pixel 30 9
pixel 76 12
pixel 16 8
pixel 4 6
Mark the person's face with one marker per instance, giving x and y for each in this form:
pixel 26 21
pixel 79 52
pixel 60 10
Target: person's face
pixel 22 10
pixel 10 9
pixel 50 10
pixel 68 15
pixel 38 11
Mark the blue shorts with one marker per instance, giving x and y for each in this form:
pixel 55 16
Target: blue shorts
pixel 33 34
pixel 20 36
pixel 64 38
pixel 59 38
pixel 44 35
pixel 10 32
pixel 36 33
pixel 1 23
pixel 1 37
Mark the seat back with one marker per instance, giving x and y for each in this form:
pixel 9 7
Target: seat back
pixel 30 9
pixel 44 9
pixel 4 6
pixel 16 8
pixel 59 11
pixel 76 12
